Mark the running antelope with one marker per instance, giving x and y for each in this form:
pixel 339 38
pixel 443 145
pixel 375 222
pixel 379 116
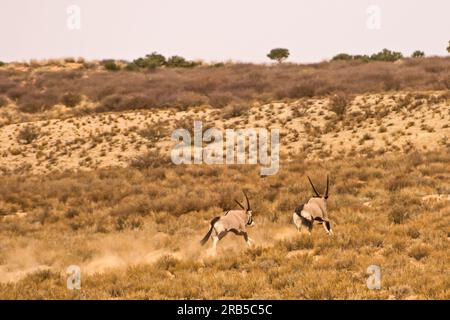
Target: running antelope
pixel 234 221
pixel 314 210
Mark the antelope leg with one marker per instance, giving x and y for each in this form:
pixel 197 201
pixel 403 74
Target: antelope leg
pixel 247 239
pixel 327 227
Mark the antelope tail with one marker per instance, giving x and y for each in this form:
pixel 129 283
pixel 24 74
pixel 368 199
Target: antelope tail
pixel 206 237
pixel 299 209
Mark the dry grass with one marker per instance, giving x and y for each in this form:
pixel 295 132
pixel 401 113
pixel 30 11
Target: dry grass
pixel 83 187
pixel 135 232
pixel 36 90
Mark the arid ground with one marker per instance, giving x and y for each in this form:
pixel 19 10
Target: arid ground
pixel 86 179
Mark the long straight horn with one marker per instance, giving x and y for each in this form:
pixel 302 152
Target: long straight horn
pixel 328 184
pixel 239 204
pixel 248 202
pixel 317 194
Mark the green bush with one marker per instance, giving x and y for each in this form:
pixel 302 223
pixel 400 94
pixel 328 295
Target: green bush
pixel 132 67
pixel 111 65
pixel 418 54
pixel 180 62
pixel 155 60
pixel 360 57
pixel 342 56
pixel 150 61
pixel 386 55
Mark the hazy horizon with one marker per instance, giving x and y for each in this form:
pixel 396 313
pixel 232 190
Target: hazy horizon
pixel 222 30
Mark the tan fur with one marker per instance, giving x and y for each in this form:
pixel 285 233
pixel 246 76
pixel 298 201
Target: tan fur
pixel 235 221
pixel 317 209
pixel 314 210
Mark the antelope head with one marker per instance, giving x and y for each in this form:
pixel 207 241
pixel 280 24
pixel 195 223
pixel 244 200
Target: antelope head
pixel 247 210
pixel 324 197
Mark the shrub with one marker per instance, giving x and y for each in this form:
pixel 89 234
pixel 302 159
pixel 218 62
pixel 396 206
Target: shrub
pixel 151 61
pixel 364 58
pixel 32 102
pixel 398 214
pixel 382 129
pixel 234 83
pixel 419 251
pixel 301 91
pixel 27 134
pixel 234 110
pixel 180 62
pixel 154 133
pixel 151 159
pixel 386 55
pixel 339 103
pixel 112 102
pixel 132 67
pixel 2 63
pixel 155 60
pixel 110 65
pixel 342 56
pixel 418 54
pixel 220 100
pixel 71 99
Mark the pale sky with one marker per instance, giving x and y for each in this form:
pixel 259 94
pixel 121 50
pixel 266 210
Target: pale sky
pixel 218 30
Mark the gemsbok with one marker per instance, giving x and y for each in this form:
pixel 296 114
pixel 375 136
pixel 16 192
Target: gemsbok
pixel 234 221
pixel 314 210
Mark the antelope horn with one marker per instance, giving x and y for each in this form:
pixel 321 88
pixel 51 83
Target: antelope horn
pixel 248 202
pixel 317 194
pixel 328 184
pixel 240 205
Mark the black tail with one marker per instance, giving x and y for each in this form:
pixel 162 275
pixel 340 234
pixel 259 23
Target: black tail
pixel 206 237
pixel 299 209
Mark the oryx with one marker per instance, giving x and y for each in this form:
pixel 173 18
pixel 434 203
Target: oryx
pixel 234 221
pixel 314 210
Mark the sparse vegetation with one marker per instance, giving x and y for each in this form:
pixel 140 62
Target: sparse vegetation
pixel 218 87
pixel 99 189
pixel 339 103
pixel 383 55
pixel 71 99
pixel 27 134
